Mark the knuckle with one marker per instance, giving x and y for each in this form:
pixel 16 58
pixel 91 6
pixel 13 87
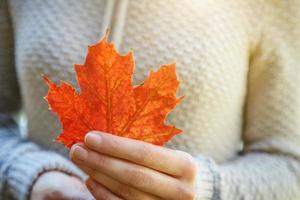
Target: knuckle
pixel 185 193
pixel 138 177
pixel 113 146
pixel 144 155
pixel 101 195
pixel 92 173
pixel 124 191
pixel 100 161
pixel 190 167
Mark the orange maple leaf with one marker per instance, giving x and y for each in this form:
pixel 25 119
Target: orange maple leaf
pixel 109 102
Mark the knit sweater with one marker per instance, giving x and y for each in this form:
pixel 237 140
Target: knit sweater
pixel 238 62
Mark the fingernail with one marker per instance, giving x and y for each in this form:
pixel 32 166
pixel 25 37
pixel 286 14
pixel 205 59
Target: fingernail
pixel 93 139
pixel 79 153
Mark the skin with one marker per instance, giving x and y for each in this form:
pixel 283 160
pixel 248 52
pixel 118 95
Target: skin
pixel 123 168
pixel 56 185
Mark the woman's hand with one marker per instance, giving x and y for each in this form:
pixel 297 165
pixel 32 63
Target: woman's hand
pixel 56 185
pixel 129 169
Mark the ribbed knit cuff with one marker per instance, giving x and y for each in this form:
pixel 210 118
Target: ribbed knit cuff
pixel 208 181
pixel 26 169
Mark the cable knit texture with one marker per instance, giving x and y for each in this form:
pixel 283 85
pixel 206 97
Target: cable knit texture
pixel 238 61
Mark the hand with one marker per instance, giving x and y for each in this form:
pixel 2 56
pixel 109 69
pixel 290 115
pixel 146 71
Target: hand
pixel 129 169
pixel 56 185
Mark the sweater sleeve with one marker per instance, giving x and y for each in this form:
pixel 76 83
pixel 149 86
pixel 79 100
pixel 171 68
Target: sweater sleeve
pixel 21 161
pixel 269 165
pixel 255 175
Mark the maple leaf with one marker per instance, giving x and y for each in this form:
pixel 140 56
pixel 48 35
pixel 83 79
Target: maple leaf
pixel 108 101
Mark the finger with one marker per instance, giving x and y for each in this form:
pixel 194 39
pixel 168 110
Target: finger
pixel 99 191
pixel 169 161
pixel 120 189
pixel 136 176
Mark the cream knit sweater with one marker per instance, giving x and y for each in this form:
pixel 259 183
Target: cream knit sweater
pixel 238 61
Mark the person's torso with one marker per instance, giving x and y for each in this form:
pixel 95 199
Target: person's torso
pixel 53 35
